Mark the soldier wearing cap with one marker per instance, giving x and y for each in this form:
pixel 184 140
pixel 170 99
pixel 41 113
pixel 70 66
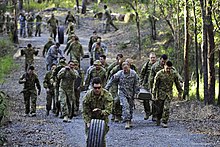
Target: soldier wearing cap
pixel 96 71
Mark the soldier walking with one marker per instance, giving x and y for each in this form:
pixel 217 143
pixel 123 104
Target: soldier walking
pixel 128 86
pixel 38 25
pixel 30 81
pixel 22 21
pixel 53 24
pixel 30 24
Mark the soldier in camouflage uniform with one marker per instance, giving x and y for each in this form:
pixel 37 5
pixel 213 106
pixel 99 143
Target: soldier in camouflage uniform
pixel 70 18
pixel 144 75
pixel 38 25
pixel 30 81
pixel 107 20
pixel 29 53
pixel 128 86
pixel 47 46
pixel 131 64
pixel 67 77
pixel 92 40
pixel 96 71
pixel 163 91
pixel 30 24
pixel 75 50
pixel 97 51
pixel 157 66
pixel 97 104
pixel 53 24
pixel 48 84
pixel 113 64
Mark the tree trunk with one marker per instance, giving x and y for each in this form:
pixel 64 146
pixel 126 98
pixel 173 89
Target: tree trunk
pixel 218 78
pixel 84 2
pixel 211 53
pixel 77 5
pixel 196 49
pixel 204 51
pixel 186 52
pixel 15 33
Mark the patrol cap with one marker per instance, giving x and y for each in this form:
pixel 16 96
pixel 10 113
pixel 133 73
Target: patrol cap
pixel 97 62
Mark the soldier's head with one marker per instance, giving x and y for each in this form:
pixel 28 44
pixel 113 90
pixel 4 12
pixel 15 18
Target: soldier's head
pixel 163 59
pixel 31 70
pixel 152 57
pixel 29 45
pixel 97 85
pixel 76 38
pixel 168 66
pixel 119 57
pixel 69 12
pixel 76 64
pixel 71 64
pixel 57 44
pixel 52 15
pixel 105 7
pixel 94 32
pixel 53 66
pixel 99 39
pixel 97 64
pixel 102 59
pixel 130 61
pixel 126 67
pixel 98 44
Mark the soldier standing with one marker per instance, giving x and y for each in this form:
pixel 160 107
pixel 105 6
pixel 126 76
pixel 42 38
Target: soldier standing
pixel 30 24
pixel 96 71
pixel 48 84
pixel 97 104
pixel 163 91
pixel 53 24
pixel 157 66
pixel 128 86
pixel 30 81
pixel 47 46
pixel 107 20
pixel 70 18
pixel 67 77
pixel 38 25
pixel 144 75
pixel 22 21
pixel 29 53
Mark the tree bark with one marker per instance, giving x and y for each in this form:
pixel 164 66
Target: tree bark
pixel 77 5
pixel 186 52
pixel 84 2
pixel 15 33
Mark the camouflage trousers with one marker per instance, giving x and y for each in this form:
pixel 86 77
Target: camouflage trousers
pixel 27 65
pixel 77 96
pixel 30 29
pixel 50 99
pixel 38 30
pixel 127 107
pixel 163 110
pixel 30 97
pixel 147 108
pixel 53 32
pixel 116 109
pixel 67 102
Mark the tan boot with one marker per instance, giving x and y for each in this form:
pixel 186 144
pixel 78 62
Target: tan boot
pixel 128 124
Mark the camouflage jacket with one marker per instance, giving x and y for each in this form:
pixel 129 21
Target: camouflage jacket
pixel 128 84
pixel 92 40
pixel 29 55
pixel 145 74
pixel 97 52
pixel 163 85
pixel 76 50
pixel 103 102
pixel 110 67
pixel 53 22
pixel 30 82
pixel 48 80
pixel 46 47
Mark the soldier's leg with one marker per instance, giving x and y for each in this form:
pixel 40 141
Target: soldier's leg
pixel 159 104
pixel 49 102
pixel 39 30
pixel 54 33
pixel 117 109
pixel 77 96
pixel 154 111
pixel 111 23
pixel 53 101
pixel 166 111
pixel 21 31
pixel 146 109
pixel 57 101
pixel 36 32
pixel 27 102
pixel 125 108
pixel 63 103
pixel 33 103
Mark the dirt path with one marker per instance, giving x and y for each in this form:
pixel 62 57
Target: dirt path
pixel 48 131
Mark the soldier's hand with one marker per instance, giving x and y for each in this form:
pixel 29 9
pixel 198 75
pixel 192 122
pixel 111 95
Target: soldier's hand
pixel 88 125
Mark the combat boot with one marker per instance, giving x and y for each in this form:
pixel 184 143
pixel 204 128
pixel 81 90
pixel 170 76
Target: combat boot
pixel 128 124
pixel 146 116
pixel 47 113
pixel 164 125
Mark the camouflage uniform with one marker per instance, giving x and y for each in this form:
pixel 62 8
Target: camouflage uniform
pixel 53 24
pixel 144 75
pixel 48 85
pixel 67 99
pixel 29 53
pixel 30 93
pixel 30 24
pixel 97 52
pixel 95 73
pixel 3 98
pixel 47 46
pixel 76 51
pixel 52 56
pixel 38 25
pixel 70 18
pixel 128 86
pixel 108 21
pixel 103 46
pixel 22 21
pixel 92 40
pixel 163 92
pixel 103 102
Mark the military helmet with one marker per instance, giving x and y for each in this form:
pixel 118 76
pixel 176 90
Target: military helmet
pixel 97 62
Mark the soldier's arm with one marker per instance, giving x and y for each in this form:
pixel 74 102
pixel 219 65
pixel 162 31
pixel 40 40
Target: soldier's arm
pixel 61 73
pixel 46 80
pixel 22 79
pixel 90 44
pixel 177 83
pixel 87 112
pixel 136 84
pixel 113 79
pixel 37 82
pixel 87 79
pixel 156 84
pixel 66 18
pixel 108 105
pixel 151 77
pixel 81 49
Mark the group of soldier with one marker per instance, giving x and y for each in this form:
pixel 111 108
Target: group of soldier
pixel 6 22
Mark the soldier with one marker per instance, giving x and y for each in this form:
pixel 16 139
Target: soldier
pixel 30 24
pixel 128 86
pixel 29 53
pixel 48 84
pixel 75 50
pixel 157 66
pixel 102 59
pixel 70 18
pixel 163 91
pixel 47 46
pixel 30 81
pixel 132 65
pixel 53 24
pixel 97 51
pixel 78 85
pixel 70 29
pixel 97 104
pixel 103 45
pixel 92 40
pixel 22 21
pixel 38 24
pixel 96 71
pixel 107 20
pixel 67 77
pixel 52 55
pixel 144 75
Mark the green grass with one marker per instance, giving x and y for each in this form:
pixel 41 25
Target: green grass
pixel 6 64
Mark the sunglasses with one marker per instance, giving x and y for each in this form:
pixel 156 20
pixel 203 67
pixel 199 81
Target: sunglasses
pixel 97 87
